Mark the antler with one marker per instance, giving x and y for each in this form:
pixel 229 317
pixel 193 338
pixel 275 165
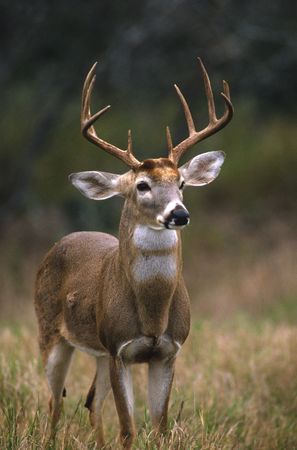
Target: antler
pixel 215 124
pixel 88 120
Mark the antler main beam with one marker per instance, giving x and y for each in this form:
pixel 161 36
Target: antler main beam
pixel 88 120
pixel 214 125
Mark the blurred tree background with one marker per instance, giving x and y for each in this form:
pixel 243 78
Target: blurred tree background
pixel 243 225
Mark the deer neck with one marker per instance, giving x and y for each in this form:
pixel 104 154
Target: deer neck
pixel 151 260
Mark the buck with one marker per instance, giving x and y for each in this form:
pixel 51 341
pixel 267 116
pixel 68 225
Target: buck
pixel 124 300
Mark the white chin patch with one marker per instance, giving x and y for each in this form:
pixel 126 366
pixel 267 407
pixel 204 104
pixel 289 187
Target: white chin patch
pixel 176 227
pixel 157 227
pixel 171 225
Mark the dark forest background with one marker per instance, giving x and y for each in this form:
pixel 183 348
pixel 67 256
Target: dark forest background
pixel 243 225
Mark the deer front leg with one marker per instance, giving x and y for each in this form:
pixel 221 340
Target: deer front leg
pixel 160 377
pixel 121 383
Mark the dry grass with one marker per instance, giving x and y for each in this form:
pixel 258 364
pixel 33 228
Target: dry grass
pixel 235 387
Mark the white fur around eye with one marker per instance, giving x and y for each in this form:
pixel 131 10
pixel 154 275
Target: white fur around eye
pixel 145 193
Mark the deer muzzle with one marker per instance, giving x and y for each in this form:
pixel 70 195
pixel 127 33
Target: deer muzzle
pixel 178 217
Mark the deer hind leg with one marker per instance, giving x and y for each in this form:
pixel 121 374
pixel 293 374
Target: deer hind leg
pixel 96 396
pixel 121 382
pixel 160 377
pixel 56 367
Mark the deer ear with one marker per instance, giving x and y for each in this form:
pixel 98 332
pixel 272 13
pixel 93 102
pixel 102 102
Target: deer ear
pixel 202 169
pixel 96 185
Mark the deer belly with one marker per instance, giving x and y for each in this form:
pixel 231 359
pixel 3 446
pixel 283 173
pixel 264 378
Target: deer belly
pixel 144 348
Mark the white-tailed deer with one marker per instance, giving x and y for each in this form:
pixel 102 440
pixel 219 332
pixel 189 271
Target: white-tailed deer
pixel 124 301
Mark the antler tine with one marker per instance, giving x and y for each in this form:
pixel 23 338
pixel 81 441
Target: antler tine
pixel 214 124
pixel 129 148
pixel 87 89
pixel 226 89
pixel 169 143
pixel 209 95
pixel 229 110
pixel 187 112
pixel 88 120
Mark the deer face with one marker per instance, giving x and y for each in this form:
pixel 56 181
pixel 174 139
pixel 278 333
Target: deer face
pixel 155 189
pixel 158 194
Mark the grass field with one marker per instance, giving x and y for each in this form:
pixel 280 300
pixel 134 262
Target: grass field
pixel 235 388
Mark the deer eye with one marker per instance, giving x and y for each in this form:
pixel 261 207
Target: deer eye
pixel 143 186
pixel 182 185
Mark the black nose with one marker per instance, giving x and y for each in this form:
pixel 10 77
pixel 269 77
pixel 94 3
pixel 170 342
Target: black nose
pixel 180 216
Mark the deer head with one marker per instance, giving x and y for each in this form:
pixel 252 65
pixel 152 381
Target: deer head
pixel 155 186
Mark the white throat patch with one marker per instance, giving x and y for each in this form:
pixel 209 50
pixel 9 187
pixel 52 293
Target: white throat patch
pixel 146 238
pixel 147 267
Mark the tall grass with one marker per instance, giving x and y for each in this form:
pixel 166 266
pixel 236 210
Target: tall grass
pixel 235 387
